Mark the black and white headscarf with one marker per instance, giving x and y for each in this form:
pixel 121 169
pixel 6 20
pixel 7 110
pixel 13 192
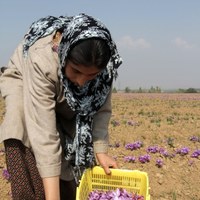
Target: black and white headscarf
pixel 87 100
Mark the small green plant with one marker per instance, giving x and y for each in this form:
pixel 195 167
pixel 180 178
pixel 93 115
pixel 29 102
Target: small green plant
pixel 174 196
pixel 170 120
pixel 141 112
pixel 170 142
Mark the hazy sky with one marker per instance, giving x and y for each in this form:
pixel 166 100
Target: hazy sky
pixel 159 40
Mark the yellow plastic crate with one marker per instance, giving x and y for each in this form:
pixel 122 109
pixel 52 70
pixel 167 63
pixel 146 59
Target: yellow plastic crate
pixel 133 181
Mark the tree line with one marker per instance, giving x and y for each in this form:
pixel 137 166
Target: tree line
pixel 156 90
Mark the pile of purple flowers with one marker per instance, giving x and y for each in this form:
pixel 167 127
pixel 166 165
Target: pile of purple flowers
pixel 118 194
pixel 153 149
pixel 160 150
pixel 159 163
pixel 165 153
pixel 194 138
pixel 131 159
pixel 196 154
pixel 115 123
pixel 144 158
pixel 183 151
pixel 132 123
pixel 115 145
pixel 134 146
pixel 5 174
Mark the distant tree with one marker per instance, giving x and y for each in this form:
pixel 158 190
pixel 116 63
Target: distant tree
pixel 191 90
pixel 154 89
pixel 181 90
pixel 140 90
pixel 127 90
pixel 114 90
pixel 158 90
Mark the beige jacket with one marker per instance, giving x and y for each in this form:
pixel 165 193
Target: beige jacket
pixel 36 111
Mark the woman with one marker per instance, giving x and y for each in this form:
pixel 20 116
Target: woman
pixel 57 91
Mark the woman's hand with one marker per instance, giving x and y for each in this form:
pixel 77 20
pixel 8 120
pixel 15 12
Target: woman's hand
pixel 106 162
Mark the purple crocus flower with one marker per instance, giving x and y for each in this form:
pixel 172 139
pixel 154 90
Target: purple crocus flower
pixel 118 194
pixel 134 146
pixel 5 174
pixel 144 158
pixel 131 159
pixel 194 138
pixel 132 123
pixel 183 151
pixel 115 123
pixel 163 152
pixel 159 163
pixel 138 197
pixel 196 154
pixel 115 145
pixel 152 149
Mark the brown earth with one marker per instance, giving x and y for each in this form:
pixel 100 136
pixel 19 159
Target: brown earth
pixel 162 120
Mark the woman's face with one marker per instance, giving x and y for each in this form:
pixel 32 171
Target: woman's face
pixel 80 74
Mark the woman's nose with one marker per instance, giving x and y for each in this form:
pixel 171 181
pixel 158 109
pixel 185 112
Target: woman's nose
pixel 81 80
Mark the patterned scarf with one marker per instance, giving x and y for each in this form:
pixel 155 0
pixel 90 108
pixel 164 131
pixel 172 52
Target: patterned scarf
pixel 87 100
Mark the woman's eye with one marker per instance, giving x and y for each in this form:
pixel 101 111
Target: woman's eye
pixel 76 71
pixel 93 75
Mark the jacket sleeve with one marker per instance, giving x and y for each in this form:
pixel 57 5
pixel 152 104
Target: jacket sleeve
pixel 100 127
pixel 12 125
pixel 39 103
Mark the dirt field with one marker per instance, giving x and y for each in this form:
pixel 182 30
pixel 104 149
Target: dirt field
pixel 166 124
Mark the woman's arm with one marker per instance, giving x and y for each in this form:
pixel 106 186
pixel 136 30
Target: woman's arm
pixel 40 118
pixel 101 137
pixel 51 188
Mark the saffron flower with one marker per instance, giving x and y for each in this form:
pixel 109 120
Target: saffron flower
pixel 152 149
pixel 134 146
pixel 5 174
pixel 183 151
pixel 163 152
pixel 132 123
pixel 115 145
pixel 144 158
pixel 194 138
pixel 159 163
pixel 118 194
pixel 115 123
pixel 196 154
pixel 131 159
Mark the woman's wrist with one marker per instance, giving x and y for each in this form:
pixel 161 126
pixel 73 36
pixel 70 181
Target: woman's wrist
pixel 52 188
